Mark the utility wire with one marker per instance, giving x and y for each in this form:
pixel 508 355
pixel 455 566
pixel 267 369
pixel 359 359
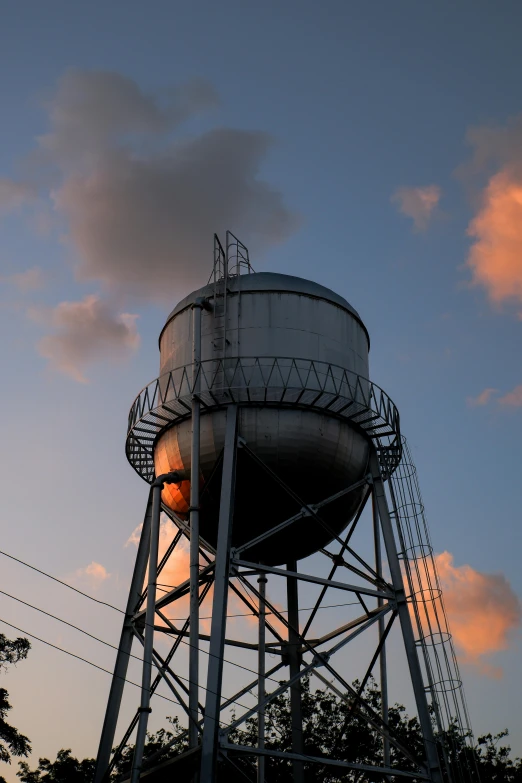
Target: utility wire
pixel 173 619
pixel 86 595
pixel 183 641
pixel 65 622
pixel 78 657
pixel 22 562
pixel 108 644
pixel 101 668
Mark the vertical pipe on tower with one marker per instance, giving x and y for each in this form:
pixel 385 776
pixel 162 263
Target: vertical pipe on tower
pixel 294 656
pixel 382 655
pixel 210 740
pixel 144 708
pixel 261 678
pixel 194 528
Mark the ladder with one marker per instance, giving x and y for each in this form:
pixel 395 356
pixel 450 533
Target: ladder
pixel 228 263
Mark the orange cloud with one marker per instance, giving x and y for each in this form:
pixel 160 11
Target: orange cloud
pixel 418 203
pixel 512 399
pixel 482 399
pixel 95 574
pixel 483 611
pixel 176 571
pixel 495 257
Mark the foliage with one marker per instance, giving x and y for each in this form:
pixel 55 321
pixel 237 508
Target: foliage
pixel 495 762
pixel 12 743
pixel 331 727
pixel 154 743
pixel 66 769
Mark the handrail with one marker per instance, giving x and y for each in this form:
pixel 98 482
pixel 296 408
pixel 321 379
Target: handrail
pixel 273 381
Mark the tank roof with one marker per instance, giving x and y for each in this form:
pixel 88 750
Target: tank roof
pixel 275 282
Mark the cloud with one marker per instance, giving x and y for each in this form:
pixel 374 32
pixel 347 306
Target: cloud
pixel 483 398
pixel 176 571
pixel 140 199
pixel 95 574
pixel 14 195
pixel 30 280
pixel 84 332
pixel 495 256
pixel 134 538
pixel 483 611
pixel 92 110
pixel 418 203
pixel 512 399
pixel 493 147
pixel 137 196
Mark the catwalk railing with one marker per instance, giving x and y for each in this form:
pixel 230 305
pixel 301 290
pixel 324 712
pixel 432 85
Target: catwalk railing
pixel 277 381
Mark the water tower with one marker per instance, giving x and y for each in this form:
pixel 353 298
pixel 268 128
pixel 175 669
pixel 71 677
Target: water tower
pixel 263 440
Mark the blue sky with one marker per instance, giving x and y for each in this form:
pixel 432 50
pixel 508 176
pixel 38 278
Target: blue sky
pixel 352 102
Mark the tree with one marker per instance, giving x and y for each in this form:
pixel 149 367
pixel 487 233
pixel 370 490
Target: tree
pixel 331 727
pixel 66 769
pixel 12 743
pixel 495 762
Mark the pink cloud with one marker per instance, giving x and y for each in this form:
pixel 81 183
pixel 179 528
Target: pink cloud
pixel 495 257
pixel 418 203
pixel 139 203
pixel 94 574
pixel 483 611
pixel 13 195
pixel 512 399
pixel 84 332
pixel 29 280
pixel 483 398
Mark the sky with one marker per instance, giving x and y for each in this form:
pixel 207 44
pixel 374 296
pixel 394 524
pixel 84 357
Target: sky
pixel 375 148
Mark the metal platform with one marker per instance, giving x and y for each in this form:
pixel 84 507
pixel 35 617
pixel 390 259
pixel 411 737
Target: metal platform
pixel 283 382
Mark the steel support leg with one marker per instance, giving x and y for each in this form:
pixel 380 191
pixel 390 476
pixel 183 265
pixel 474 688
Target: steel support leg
pixel 209 751
pixel 382 655
pixel 294 644
pixel 144 708
pixel 124 651
pixel 194 532
pixel 405 620
pixel 261 678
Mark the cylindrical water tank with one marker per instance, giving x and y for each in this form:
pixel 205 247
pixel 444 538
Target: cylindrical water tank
pixel 266 321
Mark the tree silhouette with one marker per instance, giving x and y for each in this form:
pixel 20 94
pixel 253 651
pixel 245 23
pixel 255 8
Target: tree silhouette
pixel 12 743
pixel 332 727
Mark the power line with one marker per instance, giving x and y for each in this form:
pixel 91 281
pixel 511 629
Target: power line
pixel 86 595
pixel 79 657
pixel 174 619
pixel 112 646
pixel 101 668
pixel 65 622
pixel 104 603
pixel 81 630
pixel 108 644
